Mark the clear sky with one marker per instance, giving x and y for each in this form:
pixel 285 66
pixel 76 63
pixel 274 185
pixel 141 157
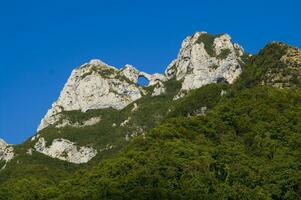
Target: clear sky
pixel 42 41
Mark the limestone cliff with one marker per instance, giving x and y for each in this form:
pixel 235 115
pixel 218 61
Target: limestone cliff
pixel 96 85
pixel 6 152
pixel 65 150
pixel 205 59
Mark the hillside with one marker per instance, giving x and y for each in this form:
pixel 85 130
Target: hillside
pixel 219 124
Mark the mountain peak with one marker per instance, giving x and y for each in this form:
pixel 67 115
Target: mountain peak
pixel 204 59
pixel 277 64
pixel 97 85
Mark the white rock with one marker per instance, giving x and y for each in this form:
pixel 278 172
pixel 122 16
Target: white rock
pixel 130 72
pixel 33 138
pixel 135 107
pixel 6 151
pixel 96 85
pixel 153 78
pixel 196 68
pixel 29 151
pixel 90 122
pixel 125 122
pixel 223 92
pixel 159 89
pixel 65 150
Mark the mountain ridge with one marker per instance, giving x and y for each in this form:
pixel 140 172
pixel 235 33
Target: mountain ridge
pixel 219 124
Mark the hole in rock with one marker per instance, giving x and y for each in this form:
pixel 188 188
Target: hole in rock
pixel 143 81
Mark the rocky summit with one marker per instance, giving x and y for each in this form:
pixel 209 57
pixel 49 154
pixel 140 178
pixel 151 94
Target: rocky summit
pixel 96 85
pixel 203 59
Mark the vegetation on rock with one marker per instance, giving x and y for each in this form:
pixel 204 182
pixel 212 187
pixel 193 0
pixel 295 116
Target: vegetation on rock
pixel 244 145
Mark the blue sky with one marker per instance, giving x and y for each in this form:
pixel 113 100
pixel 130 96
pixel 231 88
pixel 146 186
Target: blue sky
pixel 42 41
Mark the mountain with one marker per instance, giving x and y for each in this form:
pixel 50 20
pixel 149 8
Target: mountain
pixel 205 59
pixel 219 124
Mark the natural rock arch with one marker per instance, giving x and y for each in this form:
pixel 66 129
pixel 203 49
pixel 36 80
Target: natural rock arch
pixel 143 80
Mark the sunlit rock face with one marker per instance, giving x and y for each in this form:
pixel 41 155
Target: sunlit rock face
pixel 90 122
pixel 96 85
pixel 205 59
pixel 6 151
pixel 65 150
pixel 159 89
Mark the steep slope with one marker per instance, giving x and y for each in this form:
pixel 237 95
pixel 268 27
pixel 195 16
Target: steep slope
pixel 99 86
pixel 205 59
pixel 277 64
pixel 189 134
pixel 96 85
pixel 245 147
pixel 230 153
pixel 6 153
pixel 238 150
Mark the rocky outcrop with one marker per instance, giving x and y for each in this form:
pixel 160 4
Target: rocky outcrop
pixel 90 122
pixel 6 151
pixel 96 85
pixel 133 74
pixel 205 59
pixel 282 66
pixel 65 150
pixel 159 89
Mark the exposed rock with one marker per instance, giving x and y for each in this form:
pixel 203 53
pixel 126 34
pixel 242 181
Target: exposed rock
pixel 109 147
pixel 33 138
pixel 198 112
pixel 154 78
pixel 6 151
pixel 159 89
pixel 127 137
pixel 65 150
pixel 130 72
pixel 223 92
pixel 90 122
pixel 201 111
pixel 96 85
pixel 125 122
pixel 134 108
pixel 287 71
pixel 205 59
pixel 29 151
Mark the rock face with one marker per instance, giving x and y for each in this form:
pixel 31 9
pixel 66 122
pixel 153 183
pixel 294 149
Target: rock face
pixel 96 85
pixel 159 89
pixel 89 122
pixel 205 59
pixel 65 150
pixel 6 151
pixel 287 72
